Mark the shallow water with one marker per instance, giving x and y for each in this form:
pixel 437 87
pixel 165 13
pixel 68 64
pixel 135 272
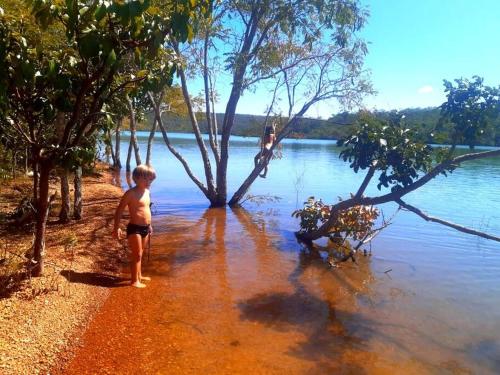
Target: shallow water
pixel 233 292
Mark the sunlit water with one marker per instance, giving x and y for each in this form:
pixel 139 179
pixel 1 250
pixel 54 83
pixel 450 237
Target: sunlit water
pixel 235 293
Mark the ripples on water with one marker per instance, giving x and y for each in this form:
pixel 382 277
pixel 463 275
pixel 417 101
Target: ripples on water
pixel 429 297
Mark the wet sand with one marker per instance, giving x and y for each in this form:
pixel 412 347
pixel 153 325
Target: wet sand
pixel 226 299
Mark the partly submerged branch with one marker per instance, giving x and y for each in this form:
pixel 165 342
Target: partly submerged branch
pixel 460 228
pixel 392 196
pixel 375 232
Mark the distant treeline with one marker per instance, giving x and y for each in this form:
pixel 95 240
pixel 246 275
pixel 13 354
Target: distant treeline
pixel 424 120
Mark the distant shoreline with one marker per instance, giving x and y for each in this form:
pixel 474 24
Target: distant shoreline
pixel 176 134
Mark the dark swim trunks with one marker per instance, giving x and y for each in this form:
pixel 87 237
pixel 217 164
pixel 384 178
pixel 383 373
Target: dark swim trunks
pixel 143 230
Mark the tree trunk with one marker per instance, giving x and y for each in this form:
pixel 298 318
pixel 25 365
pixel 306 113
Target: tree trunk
pixel 36 181
pixel 118 163
pixel 77 210
pixel 133 136
pixel 227 125
pixel 199 139
pixel 150 142
pixel 65 200
pixel 111 148
pixel 235 199
pixel 41 217
pixel 129 156
pixel 26 161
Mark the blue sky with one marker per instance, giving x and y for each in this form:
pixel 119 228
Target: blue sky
pixel 413 46
pixel 416 44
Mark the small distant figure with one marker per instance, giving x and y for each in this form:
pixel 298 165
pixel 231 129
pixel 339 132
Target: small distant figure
pixel 138 201
pixel 265 154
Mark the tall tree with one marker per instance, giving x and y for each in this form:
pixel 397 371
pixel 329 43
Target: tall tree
pixel 308 49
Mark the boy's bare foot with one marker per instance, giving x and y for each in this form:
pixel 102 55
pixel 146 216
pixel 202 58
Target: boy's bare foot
pixel 138 284
pixel 145 278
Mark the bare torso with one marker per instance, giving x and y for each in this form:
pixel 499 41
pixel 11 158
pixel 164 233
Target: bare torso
pixel 139 206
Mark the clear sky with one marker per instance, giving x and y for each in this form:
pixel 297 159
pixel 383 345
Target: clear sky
pixel 413 46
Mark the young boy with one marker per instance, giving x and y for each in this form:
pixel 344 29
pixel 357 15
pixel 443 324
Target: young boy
pixel 139 227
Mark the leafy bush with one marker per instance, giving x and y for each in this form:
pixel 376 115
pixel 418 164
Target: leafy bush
pixel 353 223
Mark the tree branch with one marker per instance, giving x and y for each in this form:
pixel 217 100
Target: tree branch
pixel 196 129
pixel 173 150
pixel 395 195
pixel 365 182
pixel 458 227
pixel 208 110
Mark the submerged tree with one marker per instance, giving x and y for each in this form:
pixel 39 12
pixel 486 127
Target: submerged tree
pixel 403 165
pixel 308 50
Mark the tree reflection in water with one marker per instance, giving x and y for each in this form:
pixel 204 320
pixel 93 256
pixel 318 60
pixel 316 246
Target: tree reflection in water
pixel 228 295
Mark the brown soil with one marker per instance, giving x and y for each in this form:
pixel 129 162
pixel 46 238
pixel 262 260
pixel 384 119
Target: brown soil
pixel 43 318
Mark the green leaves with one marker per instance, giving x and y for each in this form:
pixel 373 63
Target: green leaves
pixel 89 45
pixel 84 54
pixel 389 148
pixel 469 106
pixel 111 59
pixel 100 13
pixel 354 222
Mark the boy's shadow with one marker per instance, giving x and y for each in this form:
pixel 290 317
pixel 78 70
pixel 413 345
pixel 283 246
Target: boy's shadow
pixel 96 279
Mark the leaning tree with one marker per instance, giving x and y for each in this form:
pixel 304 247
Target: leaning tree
pixel 308 51
pixel 390 152
pixel 77 78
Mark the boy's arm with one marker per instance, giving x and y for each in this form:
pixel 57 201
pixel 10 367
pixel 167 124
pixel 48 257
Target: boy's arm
pixel 118 215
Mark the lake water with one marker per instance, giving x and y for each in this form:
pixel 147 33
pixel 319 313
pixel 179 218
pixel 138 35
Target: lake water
pixel 426 301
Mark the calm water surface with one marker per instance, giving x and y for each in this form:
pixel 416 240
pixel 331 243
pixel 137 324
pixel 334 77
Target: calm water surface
pixel 244 297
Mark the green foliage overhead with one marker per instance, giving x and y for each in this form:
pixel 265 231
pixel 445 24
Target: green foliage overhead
pixel 72 57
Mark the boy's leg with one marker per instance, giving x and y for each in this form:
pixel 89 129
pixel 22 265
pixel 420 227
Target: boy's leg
pixel 135 244
pixel 145 244
pixel 266 161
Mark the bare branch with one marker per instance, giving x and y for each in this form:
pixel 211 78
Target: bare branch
pixel 22 132
pixel 281 70
pixel 196 129
pixel 208 110
pixel 214 114
pixel 458 227
pixel 375 232
pixel 173 150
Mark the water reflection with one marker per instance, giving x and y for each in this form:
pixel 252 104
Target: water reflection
pixel 233 291
pixel 228 296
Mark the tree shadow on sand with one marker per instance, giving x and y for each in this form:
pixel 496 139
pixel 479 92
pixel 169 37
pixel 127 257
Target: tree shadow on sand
pixel 95 279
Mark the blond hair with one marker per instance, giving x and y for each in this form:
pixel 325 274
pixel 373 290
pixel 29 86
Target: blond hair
pixel 143 171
